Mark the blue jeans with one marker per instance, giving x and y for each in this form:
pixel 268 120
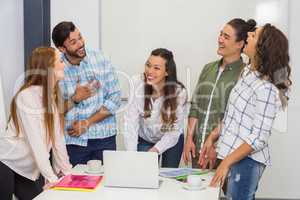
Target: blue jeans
pixel 243 179
pixel 93 151
pixel 171 157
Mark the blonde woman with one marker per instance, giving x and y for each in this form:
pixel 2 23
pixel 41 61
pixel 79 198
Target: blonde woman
pixel 34 128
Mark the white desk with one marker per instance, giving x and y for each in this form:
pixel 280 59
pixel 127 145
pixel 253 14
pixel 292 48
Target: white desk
pixel 170 189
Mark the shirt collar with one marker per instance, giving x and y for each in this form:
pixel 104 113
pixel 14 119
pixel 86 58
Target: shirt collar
pixel 234 65
pixel 68 64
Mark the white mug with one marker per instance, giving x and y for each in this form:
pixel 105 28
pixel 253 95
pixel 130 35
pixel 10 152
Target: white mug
pixel 194 181
pixel 94 165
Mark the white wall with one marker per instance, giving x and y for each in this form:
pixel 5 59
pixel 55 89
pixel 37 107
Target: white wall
pixel 132 29
pixel 282 179
pixel 12 46
pixel 84 14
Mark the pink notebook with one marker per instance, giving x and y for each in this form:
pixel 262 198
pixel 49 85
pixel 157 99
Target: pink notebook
pixel 78 182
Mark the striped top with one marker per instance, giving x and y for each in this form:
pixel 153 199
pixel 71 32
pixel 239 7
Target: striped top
pixel 93 67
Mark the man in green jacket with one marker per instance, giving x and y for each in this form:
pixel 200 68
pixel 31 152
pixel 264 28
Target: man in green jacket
pixel 213 89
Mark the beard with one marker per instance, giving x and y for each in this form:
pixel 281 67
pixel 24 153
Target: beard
pixel 76 54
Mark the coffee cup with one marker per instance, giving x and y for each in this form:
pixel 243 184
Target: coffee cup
pixel 194 181
pixel 94 165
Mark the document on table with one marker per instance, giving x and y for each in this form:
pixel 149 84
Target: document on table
pixel 177 172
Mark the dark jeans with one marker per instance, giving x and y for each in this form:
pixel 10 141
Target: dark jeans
pixel 171 157
pixel 93 151
pixel 13 183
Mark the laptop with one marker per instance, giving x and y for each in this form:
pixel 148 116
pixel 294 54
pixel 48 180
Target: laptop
pixel 131 169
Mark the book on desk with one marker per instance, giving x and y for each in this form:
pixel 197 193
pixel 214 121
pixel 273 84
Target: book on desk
pixel 83 183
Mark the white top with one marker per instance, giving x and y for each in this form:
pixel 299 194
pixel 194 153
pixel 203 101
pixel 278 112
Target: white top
pixel 28 154
pixel 150 128
pixel 252 107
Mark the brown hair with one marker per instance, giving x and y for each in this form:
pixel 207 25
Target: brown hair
pixel 39 69
pixel 168 109
pixel 272 57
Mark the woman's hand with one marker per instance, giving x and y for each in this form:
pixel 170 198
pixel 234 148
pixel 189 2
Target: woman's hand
pixel 221 174
pixel 49 185
pixel 153 149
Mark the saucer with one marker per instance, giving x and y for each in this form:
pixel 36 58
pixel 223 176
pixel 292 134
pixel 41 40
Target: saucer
pixel 188 187
pixel 100 171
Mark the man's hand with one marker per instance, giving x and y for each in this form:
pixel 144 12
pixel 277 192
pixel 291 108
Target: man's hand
pixel 189 150
pixel 207 154
pixel 210 159
pixel 83 92
pixel 78 128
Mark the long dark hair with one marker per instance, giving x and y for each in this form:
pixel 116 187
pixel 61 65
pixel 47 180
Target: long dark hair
pixel 40 65
pixel 242 28
pixel 168 109
pixel 272 57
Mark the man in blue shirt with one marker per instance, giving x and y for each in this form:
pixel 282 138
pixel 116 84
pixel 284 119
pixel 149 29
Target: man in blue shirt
pixel 91 91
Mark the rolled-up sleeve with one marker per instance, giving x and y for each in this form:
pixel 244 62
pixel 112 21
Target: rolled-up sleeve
pixel 112 97
pixel 266 105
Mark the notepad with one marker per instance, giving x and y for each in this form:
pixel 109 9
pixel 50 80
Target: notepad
pixel 181 173
pixel 78 183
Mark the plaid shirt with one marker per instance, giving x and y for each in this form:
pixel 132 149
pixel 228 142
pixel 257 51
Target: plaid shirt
pixel 249 117
pixel 93 66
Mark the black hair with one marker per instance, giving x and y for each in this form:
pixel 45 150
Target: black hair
pixel 61 32
pixel 242 28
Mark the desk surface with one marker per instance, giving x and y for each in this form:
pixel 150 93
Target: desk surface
pixel 169 189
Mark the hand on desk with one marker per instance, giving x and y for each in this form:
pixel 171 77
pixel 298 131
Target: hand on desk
pixel 49 185
pixel 221 174
pixel 153 149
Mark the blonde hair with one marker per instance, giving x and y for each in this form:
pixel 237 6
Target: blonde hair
pixel 39 68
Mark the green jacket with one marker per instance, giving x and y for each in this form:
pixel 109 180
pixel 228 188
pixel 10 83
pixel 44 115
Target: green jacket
pixel 201 95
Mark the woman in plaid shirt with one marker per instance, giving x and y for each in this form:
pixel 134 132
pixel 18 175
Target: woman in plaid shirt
pixel 252 107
